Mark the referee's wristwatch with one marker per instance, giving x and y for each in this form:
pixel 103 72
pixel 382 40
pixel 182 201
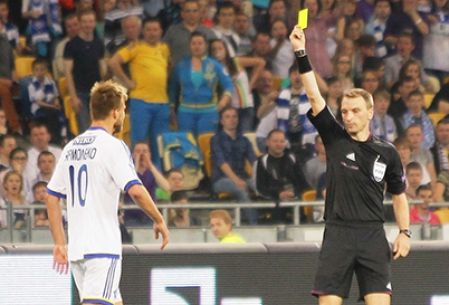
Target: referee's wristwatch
pixel 406 232
pixel 300 53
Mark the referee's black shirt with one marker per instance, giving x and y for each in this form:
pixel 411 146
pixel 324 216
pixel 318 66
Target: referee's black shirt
pixel 356 172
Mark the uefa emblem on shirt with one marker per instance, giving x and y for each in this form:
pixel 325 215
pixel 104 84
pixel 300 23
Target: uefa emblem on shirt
pixel 379 169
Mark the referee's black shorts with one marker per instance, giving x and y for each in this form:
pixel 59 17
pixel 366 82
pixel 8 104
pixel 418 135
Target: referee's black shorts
pixel 349 248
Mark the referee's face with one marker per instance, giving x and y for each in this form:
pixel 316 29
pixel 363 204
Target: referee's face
pixel 356 115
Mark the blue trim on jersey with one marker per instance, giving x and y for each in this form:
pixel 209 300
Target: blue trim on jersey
pixel 131 183
pixel 96 301
pixel 56 194
pixel 100 255
pixel 96 128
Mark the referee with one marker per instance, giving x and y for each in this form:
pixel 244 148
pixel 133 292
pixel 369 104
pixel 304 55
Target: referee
pixel 358 168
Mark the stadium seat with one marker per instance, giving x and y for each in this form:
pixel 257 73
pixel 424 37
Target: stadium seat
pixel 24 66
pixel 62 87
pixel 71 116
pixel 204 145
pixel 309 195
pixel 428 100
pixel 443 215
pixel 435 117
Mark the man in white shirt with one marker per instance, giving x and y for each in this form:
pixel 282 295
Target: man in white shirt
pixel 95 167
pixel 40 141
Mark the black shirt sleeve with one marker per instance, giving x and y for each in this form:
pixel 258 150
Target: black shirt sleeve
pixel 395 174
pixel 69 50
pixel 327 126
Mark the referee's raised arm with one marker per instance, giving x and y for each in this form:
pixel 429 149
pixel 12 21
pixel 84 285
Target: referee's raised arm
pixel 298 40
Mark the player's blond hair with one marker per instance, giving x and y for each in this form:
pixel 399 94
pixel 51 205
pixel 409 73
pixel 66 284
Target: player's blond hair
pixel 105 97
pixel 358 92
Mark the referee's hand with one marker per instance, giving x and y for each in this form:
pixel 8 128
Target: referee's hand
pixel 401 246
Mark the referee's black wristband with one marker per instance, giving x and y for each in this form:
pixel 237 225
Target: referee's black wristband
pixel 303 63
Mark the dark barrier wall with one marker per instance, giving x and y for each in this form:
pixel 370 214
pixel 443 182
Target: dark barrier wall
pixel 254 274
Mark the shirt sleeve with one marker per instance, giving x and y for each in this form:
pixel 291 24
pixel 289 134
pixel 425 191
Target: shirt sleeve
pixel 327 126
pixel 69 50
pixel 57 185
pixel 121 167
pixel 395 177
pixel 125 54
pixel 218 157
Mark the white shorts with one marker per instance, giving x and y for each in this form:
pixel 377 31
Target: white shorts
pixel 98 279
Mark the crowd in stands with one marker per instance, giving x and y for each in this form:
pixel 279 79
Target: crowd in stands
pixel 216 104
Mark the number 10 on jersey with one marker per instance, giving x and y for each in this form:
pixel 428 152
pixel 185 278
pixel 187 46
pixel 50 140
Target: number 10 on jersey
pixel 78 184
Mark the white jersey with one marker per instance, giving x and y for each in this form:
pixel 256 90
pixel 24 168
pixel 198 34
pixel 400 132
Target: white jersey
pixel 92 171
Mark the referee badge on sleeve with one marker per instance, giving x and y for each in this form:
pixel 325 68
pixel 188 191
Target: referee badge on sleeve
pixel 379 169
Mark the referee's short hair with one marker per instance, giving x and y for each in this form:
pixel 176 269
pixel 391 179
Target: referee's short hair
pixel 104 97
pixel 358 92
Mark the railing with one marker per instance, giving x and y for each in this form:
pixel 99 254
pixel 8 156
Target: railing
pixel 236 207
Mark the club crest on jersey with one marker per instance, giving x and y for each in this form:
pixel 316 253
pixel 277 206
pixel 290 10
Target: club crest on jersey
pixel 379 169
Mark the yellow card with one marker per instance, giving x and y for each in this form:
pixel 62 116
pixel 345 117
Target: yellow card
pixel 302 18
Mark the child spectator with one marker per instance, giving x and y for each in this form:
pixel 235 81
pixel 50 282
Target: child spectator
pixel 44 98
pixel 39 196
pixel 175 180
pixel 221 227
pixel 420 213
pixel 13 185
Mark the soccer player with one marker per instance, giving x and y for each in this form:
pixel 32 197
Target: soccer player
pixel 93 169
pixel 359 165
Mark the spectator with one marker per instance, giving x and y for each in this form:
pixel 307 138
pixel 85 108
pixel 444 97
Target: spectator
pixel 235 67
pixel 376 26
pixel 288 113
pixel 376 65
pixel 7 144
pixel 181 217
pixel 342 67
pixel 224 29
pixel 440 102
pixel 316 32
pixel 40 196
pixel 178 35
pixel 44 98
pixel 404 47
pixel 414 177
pixel 415 114
pixel 193 85
pixel 46 163
pixel 366 47
pixel 230 149
pixel 150 177
pixel 149 65
pixel 365 9
pixel 442 187
pixel 397 107
pixel 348 13
pixel 83 66
pixel 316 166
pixel 412 68
pixel 440 151
pixel 408 19
pixel 405 151
pixel 175 180
pixel 72 28
pixel 44 23
pixel 40 141
pixel 278 174
pixel 281 49
pixel 420 213
pixel 265 89
pixel 436 43
pixel 242 27
pixel 13 185
pixel 382 124
pixel 370 82
pixel 18 161
pixel 415 137
pixel 7 77
pixel 9 28
pixel 221 227
pixel 333 95
pixel 276 9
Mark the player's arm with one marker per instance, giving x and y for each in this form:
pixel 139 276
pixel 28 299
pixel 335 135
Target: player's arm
pixel 402 215
pixel 141 196
pixel 298 40
pixel 58 234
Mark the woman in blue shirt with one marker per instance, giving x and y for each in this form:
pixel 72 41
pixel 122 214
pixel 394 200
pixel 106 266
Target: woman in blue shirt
pixel 200 88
